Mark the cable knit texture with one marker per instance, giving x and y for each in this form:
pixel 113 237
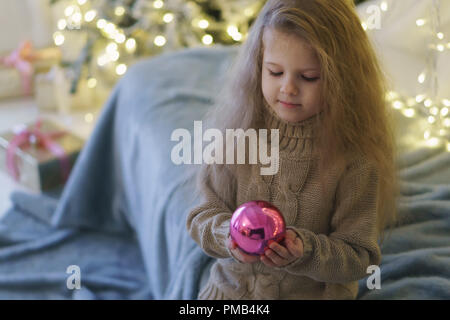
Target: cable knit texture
pixel 338 228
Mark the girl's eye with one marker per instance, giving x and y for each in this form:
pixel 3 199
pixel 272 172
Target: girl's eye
pixel 277 74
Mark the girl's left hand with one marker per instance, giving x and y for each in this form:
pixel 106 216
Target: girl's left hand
pixel 278 255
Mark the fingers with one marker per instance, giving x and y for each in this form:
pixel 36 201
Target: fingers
pixel 295 247
pixel 278 251
pixel 277 255
pixel 243 257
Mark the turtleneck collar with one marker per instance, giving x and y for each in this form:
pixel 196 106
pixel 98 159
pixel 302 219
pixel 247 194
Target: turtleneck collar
pixel 297 130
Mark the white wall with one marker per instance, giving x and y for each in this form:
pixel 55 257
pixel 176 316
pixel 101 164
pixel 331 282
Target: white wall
pixel 25 20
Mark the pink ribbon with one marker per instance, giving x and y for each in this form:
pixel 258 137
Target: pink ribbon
pixel 21 59
pixel 42 140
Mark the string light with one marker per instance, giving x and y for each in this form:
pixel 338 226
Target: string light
pixel 130 45
pixel 158 4
pixel 420 22
pixel 62 24
pixel 92 83
pixel 58 37
pixel 203 24
pixel 168 17
pixel 119 11
pixel 121 69
pixel 159 41
pixel 90 15
pixel 207 39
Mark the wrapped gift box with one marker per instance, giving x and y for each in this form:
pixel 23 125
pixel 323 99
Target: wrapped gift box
pixel 39 167
pixel 18 68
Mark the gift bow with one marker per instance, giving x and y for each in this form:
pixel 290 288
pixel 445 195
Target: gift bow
pixel 46 140
pixel 22 59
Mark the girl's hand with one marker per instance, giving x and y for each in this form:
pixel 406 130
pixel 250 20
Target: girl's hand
pixel 239 254
pixel 278 255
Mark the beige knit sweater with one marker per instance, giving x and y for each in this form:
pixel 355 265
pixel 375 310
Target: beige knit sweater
pixel 338 227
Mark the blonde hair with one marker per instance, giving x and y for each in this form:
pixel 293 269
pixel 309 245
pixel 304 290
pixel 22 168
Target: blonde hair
pixel 355 120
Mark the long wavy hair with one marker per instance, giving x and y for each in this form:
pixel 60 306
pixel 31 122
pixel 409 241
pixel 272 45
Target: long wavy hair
pixel 355 117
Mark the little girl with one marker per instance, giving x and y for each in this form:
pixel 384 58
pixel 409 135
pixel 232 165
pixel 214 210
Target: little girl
pixel 308 70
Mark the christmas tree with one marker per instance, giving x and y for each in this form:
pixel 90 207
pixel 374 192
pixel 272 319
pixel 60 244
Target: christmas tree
pixel 115 33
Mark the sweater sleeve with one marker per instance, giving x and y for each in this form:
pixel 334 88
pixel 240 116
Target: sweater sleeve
pixel 351 246
pixel 209 223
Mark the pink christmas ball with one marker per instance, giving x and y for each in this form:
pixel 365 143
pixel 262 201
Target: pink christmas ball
pixel 254 224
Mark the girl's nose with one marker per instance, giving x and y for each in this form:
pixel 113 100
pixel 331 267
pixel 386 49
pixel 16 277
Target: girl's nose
pixel 289 88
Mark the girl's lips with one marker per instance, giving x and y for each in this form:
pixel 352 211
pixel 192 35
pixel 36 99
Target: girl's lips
pixel 288 105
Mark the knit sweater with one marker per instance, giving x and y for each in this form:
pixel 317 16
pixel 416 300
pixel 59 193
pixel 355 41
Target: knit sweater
pixel 337 228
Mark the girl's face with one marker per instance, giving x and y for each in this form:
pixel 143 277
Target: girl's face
pixel 290 74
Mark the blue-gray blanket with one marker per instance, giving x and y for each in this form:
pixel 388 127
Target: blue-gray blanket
pixel 121 216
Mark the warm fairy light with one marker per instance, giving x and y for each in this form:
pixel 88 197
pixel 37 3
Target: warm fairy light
pixel 120 38
pixel 121 69
pixel 444 112
pixel 409 112
pixel 114 56
pixel 232 30
pixel 384 6
pixel 76 17
pixel 130 44
pixel 431 119
pixel 447 123
pixel 90 15
pixel 420 22
pixel 110 28
pixel 159 41
pixel 440 47
pixel 58 37
pixel 119 11
pixel 207 39
pixel 62 24
pixel 433 142
pixel 101 23
pixel 168 17
pixel 92 83
pixel 427 135
pixel 421 78
pixel 434 111
pixel 446 102
pixel 102 60
pixel 398 105
pixel 203 24
pixel 440 35
pixel 69 11
pixel 81 2
pixel 420 98
pixel 111 47
pixel 428 103
pixel 158 4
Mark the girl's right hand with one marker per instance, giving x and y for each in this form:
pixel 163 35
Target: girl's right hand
pixel 239 254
